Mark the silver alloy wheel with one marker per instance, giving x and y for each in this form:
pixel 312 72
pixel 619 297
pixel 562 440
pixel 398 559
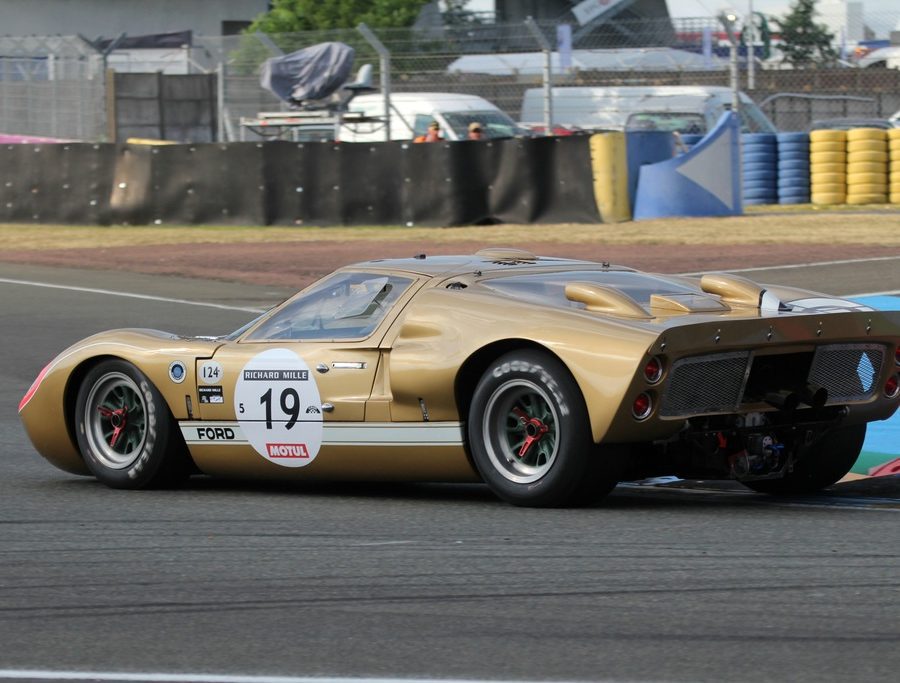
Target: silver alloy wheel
pixel 115 420
pixel 520 431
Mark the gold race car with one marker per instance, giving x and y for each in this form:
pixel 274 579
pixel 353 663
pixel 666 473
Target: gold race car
pixel 549 379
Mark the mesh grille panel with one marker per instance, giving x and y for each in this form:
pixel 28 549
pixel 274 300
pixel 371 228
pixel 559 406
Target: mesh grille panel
pixel 847 371
pixel 705 384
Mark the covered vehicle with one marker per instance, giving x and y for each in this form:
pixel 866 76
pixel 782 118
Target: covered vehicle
pixel 310 74
pixel 549 379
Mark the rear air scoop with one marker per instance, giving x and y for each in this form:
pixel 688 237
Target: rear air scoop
pixel 733 289
pixel 599 299
pixel 741 292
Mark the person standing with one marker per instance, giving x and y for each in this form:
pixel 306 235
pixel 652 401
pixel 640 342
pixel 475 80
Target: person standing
pixel 432 135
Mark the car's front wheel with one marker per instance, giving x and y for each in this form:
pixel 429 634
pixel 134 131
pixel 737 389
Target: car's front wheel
pixel 125 430
pixel 821 464
pixel 530 437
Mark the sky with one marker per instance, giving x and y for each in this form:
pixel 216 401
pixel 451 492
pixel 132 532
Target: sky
pixel 707 8
pixel 881 15
pixel 703 8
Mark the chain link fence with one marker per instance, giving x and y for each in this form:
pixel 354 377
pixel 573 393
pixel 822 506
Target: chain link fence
pixel 51 86
pixel 501 61
pixel 56 86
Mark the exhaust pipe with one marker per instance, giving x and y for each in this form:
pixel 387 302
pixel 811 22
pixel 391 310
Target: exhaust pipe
pixel 783 400
pixel 814 396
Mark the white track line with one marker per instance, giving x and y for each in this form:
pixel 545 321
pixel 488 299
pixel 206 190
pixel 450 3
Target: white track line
pixel 209 678
pixel 896 292
pixel 793 266
pixel 131 295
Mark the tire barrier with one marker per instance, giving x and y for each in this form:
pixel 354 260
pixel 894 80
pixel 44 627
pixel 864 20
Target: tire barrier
pixel 611 190
pixel 828 166
pixel 894 166
pixel 824 168
pixel 703 182
pixel 641 147
pixel 864 167
pixel 794 183
pixel 759 159
pixel 867 166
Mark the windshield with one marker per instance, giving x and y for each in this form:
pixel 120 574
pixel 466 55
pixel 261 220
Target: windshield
pixel 752 118
pixel 343 306
pixel 668 121
pixel 496 124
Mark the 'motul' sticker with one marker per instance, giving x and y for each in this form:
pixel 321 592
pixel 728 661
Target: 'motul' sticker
pixel 277 404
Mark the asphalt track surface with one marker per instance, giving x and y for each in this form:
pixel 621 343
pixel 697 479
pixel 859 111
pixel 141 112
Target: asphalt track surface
pixel 692 584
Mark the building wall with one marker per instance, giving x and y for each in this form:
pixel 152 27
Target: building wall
pixel 844 19
pixel 110 18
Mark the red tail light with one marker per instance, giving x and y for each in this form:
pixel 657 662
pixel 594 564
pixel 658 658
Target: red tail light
pixel 892 386
pixel 642 406
pixel 653 370
pixel 33 388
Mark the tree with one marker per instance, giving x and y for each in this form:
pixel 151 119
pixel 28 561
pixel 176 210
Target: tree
pixel 290 16
pixel 805 43
pixel 457 13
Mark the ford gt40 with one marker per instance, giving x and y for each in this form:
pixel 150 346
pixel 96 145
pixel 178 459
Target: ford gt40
pixel 551 380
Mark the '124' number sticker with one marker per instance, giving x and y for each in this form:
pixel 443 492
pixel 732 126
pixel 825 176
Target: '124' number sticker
pixel 211 372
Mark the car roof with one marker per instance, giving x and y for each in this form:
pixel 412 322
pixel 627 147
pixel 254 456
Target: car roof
pixel 485 261
pixel 850 122
pixel 636 90
pixel 434 98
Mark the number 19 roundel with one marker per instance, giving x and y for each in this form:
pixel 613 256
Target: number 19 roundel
pixel 277 404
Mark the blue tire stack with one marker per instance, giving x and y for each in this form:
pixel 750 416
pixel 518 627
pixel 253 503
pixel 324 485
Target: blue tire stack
pixel 793 168
pixel 759 152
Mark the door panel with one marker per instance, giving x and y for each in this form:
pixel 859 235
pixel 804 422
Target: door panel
pixel 343 377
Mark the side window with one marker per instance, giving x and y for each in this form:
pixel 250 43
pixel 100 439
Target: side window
pixel 420 127
pixel 344 306
pixel 666 121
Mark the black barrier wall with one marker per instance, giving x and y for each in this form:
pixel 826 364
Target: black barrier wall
pixel 67 183
pixel 540 180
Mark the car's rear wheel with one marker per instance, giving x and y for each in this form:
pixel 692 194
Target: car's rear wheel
pixel 125 430
pixel 821 464
pixel 530 437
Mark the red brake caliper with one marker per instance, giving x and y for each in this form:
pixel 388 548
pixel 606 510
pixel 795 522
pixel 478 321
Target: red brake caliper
pixel 118 419
pixel 534 430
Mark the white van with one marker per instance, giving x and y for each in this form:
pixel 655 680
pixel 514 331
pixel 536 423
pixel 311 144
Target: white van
pixel 686 109
pixel 411 112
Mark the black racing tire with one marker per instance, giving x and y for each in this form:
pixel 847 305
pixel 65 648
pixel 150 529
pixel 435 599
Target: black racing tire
pixel 125 431
pixel 526 394
pixel 820 465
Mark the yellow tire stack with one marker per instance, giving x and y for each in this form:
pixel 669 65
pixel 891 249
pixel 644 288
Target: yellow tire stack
pixel 894 167
pixel 828 166
pixel 867 166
